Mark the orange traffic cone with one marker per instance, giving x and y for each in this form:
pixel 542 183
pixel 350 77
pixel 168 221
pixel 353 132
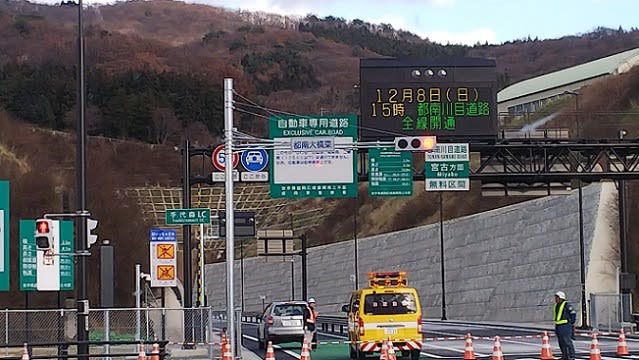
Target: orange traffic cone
pixel 546 349
pixel 391 351
pixel 305 355
pixel 25 352
pixel 155 352
pixel 270 354
pixel 227 354
pixel 383 354
pixel 142 353
pixel 497 354
pixel 622 347
pixel 469 352
pixel 595 352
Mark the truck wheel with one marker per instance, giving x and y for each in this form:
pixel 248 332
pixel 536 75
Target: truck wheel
pixel 414 354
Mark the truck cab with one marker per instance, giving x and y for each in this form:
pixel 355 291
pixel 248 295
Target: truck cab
pixel 386 310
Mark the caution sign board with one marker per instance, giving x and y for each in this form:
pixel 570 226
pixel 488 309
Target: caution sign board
pixel 163 246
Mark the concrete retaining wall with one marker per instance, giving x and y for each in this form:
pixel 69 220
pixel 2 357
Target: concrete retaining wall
pixel 501 265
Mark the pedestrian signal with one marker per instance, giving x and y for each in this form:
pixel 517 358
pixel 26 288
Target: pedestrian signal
pixel 415 143
pixel 43 234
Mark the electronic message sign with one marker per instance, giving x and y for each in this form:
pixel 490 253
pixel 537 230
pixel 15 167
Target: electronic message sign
pixel 452 99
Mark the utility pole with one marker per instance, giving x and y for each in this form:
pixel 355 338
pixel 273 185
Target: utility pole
pixel 82 319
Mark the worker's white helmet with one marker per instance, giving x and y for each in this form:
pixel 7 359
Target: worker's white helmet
pixel 311 300
pixel 561 295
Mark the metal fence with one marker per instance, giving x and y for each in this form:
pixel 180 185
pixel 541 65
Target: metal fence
pixel 611 311
pixel 178 326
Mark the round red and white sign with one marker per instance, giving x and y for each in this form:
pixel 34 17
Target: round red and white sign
pixel 218 158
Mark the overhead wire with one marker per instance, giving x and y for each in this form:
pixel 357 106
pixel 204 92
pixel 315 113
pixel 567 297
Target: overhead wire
pixel 273 112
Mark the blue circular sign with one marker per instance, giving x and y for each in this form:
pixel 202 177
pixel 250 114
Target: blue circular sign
pixel 254 159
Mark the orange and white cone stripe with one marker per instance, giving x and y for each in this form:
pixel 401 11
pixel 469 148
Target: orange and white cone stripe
pixel 305 355
pixel 546 349
pixel 497 354
pixel 469 352
pixel 622 346
pixel 595 352
pixel 270 354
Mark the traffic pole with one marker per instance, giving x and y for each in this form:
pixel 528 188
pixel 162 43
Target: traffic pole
pixel 230 221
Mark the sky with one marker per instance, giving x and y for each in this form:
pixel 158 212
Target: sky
pixel 463 21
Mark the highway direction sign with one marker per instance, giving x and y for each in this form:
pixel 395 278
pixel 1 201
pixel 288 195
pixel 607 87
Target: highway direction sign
pixel 47 271
pixel 4 235
pixel 187 216
pixel 163 256
pixel 390 172
pixel 310 163
pixel 448 168
pixel 218 158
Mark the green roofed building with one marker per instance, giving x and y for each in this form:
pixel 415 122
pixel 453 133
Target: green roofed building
pixel 531 94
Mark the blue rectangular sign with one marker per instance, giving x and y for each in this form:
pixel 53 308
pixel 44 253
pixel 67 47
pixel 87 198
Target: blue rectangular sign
pixel 163 235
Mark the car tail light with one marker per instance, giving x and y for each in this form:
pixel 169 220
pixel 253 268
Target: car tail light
pixel 419 324
pixel 269 320
pixel 361 326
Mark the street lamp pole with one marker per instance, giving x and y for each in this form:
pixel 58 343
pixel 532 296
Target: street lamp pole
pixel 582 265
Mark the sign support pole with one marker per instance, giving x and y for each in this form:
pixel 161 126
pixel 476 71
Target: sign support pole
pixel 203 286
pixel 230 221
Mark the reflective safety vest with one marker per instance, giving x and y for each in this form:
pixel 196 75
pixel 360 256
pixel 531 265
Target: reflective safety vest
pixel 557 313
pixel 312 316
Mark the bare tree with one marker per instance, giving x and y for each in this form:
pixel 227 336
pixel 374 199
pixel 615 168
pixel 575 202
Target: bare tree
pixel 165 124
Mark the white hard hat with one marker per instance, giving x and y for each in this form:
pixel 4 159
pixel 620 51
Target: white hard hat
pixel 561 295
pixel 311 300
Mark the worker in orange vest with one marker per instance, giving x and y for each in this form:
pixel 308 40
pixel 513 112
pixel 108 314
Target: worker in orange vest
pixel 310 321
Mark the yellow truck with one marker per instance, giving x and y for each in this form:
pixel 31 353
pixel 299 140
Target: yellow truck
pixel 386 310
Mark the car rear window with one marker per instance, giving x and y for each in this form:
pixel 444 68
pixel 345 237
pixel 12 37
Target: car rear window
pixel 288 310
pixel 386 304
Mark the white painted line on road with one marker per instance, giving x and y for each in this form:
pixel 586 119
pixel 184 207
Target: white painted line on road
pixel 432 355
pixel 448 348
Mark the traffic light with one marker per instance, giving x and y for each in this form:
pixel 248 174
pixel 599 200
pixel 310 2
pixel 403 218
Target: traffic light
pixel 91 238
pixel 44 234
pixel 415 143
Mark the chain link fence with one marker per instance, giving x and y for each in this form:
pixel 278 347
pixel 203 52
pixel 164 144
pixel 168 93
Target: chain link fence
pixel 611 311
pixel 178 326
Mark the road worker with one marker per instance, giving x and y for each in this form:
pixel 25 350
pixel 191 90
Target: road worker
pixel 310 320
pixel 564 316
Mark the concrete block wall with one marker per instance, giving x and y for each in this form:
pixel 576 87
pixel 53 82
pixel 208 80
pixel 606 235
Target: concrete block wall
pixel 501 265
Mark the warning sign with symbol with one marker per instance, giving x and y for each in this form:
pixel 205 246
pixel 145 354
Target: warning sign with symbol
pixel 165 251
pixel 166 272
pixel 163 243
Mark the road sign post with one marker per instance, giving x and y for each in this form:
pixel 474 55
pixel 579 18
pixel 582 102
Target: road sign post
pixel 313 165
pixel 187 216
pixel 4 235
pixel 390 172
pixel 448 168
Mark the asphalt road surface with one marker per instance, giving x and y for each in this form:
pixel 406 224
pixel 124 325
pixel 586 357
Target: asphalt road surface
pixel 446 341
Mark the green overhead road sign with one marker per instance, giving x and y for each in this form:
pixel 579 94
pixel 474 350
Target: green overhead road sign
pixel 447 168
pixel 4 235
pixel 390 172
pixel 311 162
pixel 188 216
pixel 31 259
